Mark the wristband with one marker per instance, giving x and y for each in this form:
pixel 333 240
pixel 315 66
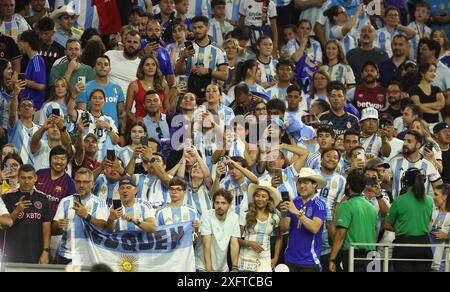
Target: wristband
pixel 88 218
pixel 47 250
pixel 63 129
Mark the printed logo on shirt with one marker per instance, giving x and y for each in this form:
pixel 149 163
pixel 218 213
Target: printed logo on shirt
pixel 309 212
pixel 21 215
pixel 58 189
pixel 38 205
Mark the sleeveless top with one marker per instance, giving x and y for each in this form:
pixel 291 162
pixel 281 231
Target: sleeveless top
pixel 140 100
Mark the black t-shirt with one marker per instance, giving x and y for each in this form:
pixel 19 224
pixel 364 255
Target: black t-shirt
pixel 340 124
pixel 446 166
pixel 8 48
pixel 394 113
pixel 24 241
pixel 51 54
pixel 424 99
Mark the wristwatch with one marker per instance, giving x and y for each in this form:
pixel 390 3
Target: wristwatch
pixel 88 218
pixel 47 250
pixel 138 222
pixel 63 129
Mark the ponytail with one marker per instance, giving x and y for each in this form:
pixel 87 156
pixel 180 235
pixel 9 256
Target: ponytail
pixel 419 187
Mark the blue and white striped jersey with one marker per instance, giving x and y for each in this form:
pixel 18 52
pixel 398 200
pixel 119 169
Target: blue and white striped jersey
pixel 141 210
pixel 210 56
pixel 372 144
pixel 348 41
pixel 88 16
pixel 314 51
pixel 289 181
pixel 421 32
pixel 254 88
pixel 206 144
pixel 232 9
pixel 15 27
pixel 152 190
pixel 95 206
pixel 198 200
pixel 218 31
pixel 103 139
pixel 237 148
pixel 276 92
pixel 341 72
pixel 169 215
pixel 199 7
pixel 385 38
pixel 399 165
pixel 20 136
pixel 314 160
pixel 239 192
pixel 334 191
pixel 125 155
pixel 106 190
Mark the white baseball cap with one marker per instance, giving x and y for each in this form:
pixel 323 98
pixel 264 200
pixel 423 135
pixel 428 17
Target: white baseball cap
pixel 369 113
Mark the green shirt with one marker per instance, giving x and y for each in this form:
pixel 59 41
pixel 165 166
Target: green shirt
pixel 410 216
pixel 59 70
pixel 360 219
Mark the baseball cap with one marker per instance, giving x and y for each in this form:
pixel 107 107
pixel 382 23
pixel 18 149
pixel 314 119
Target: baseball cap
pixel 369 113
pixel 92 136
pixel 439 127
pixel 376 162
pixel 127 180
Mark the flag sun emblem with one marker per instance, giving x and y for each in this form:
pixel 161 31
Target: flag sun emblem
pixel 128 264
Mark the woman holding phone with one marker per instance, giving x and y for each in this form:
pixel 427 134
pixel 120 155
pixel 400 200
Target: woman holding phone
pixel 10 172
pixel 137 131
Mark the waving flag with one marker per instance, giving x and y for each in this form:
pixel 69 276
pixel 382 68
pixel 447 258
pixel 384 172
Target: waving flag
pixel 169 249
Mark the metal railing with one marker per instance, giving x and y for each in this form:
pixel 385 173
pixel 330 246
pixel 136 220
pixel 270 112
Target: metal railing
pixel 387 259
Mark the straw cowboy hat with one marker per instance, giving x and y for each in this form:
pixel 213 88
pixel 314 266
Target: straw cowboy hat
pixel 263 185
pixel 66 9
pixel 308 173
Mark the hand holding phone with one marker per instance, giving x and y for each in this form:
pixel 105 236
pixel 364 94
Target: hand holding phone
pixel 111 155
pixel 285 196
pixel 82 81
pixel 56 112
pixel 144 140
pixel 117 204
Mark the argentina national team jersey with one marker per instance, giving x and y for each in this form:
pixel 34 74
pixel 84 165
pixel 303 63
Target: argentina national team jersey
pixel 218 31
pixel 237 148
pixel 141 211
pixel 421 32
pixel 125 155
pixel 152 190
pixel 239 192
pixel 268 70
pixel 15 27
pixel 399 165
pixel 385 38
pixel 314 160
pixel 253 88
pixel 169 215
pixel 314 51
pixel 341 72
pixel 198 8
pixel 211 56
pixel 103 139
pixel 88 16
pixel 348 42
pixel 289 183
pixel 276 92
pixel 198 200
pixel 232 9
pixel 95 206
pixel 105 190
pixel 20 136
pixel 372 144
pixel 334 191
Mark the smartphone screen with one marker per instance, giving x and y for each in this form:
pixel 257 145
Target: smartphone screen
pixel 27 196
pixel 21 76
pixel 285 196
pixel 144 140
pixel 77 198
pixel 117 204
pixel 55 111
pixel 111 155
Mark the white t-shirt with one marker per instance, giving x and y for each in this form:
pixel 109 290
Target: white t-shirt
pixel 3 210
pixel 41 157
pixel 221 233
pixel 123 71
pixel 396 148
pixel 253 12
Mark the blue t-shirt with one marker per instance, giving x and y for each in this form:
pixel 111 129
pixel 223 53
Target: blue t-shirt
pixel 165 65
pixel 304 247
pixel 114 95
pixel 36 71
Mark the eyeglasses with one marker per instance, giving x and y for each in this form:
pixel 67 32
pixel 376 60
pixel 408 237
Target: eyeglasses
pixel 176 190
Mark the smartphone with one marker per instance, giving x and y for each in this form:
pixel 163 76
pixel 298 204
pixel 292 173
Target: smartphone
pixel 144 140
pixel 27 196
pixel 55 112
pixel 111 155
pixel 429 146
pixel 361 155
pixel 285 196
pixel 189 45
pixel 82 81
pixel 21 76
pixel 117 204
pixel 277 172
pixel 223 163
pixel 77 198
pixel 85 117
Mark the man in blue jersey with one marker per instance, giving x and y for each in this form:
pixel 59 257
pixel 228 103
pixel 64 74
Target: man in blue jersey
pixel 204 59
pixel 35 74
pixel 107 178
pixel 325 139
pixel 20 125
pixel 304 218
pixel 175 212
pixel 84 205
pixel 115 100
pixel 133 214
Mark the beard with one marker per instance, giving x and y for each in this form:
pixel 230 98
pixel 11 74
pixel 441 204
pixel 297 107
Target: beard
pixel 407 151
pixel 131 54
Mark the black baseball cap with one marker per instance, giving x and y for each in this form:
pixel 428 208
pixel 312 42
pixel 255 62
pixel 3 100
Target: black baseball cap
pixel 439 127
pixel 127 180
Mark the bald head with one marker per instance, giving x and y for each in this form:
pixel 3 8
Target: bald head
pixel 368 34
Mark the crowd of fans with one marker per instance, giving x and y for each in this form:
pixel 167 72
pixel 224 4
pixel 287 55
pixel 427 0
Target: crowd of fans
pixel 284 130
